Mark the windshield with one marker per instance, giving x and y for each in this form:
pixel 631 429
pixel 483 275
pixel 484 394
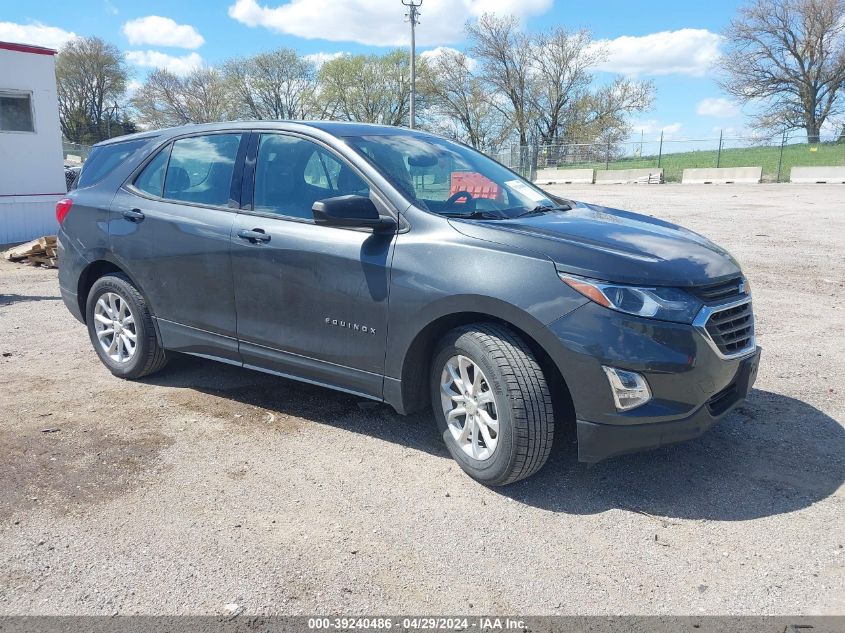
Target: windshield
pixel 449 178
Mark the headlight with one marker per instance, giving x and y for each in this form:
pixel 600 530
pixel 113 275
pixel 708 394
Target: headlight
pixel 667 304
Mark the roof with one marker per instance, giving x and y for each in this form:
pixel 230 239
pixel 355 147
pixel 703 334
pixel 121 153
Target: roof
pixel 26 48
pixel 333 128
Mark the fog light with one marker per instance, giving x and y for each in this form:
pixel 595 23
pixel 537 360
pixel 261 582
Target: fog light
pixel 629 388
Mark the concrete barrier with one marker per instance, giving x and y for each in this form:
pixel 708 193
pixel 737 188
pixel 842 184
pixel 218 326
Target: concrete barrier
pixel 817 174
pixel 564 176
pixel 650 176
pixel 722 175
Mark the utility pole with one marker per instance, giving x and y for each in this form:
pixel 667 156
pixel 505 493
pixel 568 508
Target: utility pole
pixel 413 16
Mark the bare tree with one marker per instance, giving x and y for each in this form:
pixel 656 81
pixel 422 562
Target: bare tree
pixel 90 78
pixel 275 85
pixel 602 113
pixel 166 99
pixel 459 104
pixel 546 80
pixel 366 88
pixel 789 57
pixel 504 53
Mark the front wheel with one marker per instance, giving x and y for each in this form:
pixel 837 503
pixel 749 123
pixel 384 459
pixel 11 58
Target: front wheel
pixel 492 403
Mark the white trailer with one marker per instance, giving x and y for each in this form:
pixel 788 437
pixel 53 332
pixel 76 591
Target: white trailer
pixel 31 166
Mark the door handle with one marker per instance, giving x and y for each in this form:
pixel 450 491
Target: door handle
pixel 133 215
pixel 254 236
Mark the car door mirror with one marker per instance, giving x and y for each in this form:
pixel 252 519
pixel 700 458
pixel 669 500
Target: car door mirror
pixel 351 211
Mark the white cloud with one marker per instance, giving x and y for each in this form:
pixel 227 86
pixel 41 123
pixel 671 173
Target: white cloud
pixel 686 51
pixel 36 33
pixel 155 30
pixel 717 107
pixel 653 126
pixel 132 86
pixel 375 22
pixel 318 59
pixel 434 53
pixel 155 59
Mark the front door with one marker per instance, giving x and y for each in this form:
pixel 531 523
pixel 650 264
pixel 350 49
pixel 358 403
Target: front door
pixel 311 300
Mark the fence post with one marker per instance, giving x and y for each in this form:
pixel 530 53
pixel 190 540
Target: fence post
pixel 607 157
pixel 719 153
pixel 783 137
pixel 660 151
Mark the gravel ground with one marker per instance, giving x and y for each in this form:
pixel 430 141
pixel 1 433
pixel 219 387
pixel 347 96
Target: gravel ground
pixel 208 485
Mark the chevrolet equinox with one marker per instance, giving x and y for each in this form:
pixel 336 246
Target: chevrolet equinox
pixel 403 267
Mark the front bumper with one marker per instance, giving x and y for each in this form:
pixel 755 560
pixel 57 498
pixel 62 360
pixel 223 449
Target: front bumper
pixel 692 387
pixel 600 441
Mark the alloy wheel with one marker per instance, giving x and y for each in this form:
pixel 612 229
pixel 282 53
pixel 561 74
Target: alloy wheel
pixel 114 324
pixel 470 407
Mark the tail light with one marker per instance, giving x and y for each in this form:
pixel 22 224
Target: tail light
pixel 62 208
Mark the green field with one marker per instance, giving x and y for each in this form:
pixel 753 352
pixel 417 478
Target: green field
pixel 799 155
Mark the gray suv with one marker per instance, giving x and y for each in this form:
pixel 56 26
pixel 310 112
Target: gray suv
pixel 406 268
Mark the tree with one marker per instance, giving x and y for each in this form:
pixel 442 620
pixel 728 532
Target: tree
pixel 90 78
pixel 543 84
pixel 166 99
pixel 275 85
pixel 504 53
pixel 560 78
pixel 601 114
pixel 788 56
pixel 367 88
pixel 459 104
pixel 564 102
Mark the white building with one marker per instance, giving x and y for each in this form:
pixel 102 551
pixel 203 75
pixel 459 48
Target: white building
pixel 31 165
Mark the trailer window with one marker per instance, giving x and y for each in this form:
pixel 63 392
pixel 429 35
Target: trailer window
pixel 16 112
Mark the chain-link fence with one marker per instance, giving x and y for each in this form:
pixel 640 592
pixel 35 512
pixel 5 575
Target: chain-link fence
pixel 75 149
pixel 775 154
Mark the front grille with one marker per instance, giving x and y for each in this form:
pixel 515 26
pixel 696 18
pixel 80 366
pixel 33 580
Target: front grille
pixel 732 329
pixel 721 291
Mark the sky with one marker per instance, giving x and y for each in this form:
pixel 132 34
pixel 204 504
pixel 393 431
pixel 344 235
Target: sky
pixel 674 44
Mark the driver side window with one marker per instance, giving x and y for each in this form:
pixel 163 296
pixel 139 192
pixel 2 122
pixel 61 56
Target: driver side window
pixel 292 173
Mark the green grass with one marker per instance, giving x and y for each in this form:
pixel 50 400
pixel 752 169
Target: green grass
pixel 673 165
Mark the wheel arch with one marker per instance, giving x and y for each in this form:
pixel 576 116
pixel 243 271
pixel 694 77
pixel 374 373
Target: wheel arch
pixel 100 268
pixel 416 361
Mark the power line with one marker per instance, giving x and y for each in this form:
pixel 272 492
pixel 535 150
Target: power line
pixel 413 16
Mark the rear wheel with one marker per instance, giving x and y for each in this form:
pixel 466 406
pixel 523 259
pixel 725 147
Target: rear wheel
pixel 121 329
pixel 492 403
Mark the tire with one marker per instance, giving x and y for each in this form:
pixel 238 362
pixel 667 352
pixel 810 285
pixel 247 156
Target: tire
pixel 147 357
pixel 512 378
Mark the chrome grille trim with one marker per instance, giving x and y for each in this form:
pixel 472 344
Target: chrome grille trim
pixel 703 318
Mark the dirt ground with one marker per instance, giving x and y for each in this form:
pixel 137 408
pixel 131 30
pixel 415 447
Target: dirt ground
pixel 208 485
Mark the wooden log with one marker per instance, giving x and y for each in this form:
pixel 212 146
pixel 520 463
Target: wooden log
pixel 22 251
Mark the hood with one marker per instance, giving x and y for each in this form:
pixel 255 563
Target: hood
pixel 612 245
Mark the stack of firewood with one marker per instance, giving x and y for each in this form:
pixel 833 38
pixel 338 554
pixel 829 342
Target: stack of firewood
pixel 37 252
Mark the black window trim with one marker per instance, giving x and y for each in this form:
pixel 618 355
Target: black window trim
pixel 235 187
pixel 248 180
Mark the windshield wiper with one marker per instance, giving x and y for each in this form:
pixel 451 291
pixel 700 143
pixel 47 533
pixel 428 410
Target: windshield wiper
pixel 544 208
pixel 477 215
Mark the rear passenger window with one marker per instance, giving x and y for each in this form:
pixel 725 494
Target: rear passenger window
pixel 104 158
pixel 200 169
pixel 151 179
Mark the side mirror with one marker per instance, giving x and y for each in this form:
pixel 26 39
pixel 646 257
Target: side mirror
pixel 352 211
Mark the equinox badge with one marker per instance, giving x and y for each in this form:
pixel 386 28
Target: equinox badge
pixel 355 327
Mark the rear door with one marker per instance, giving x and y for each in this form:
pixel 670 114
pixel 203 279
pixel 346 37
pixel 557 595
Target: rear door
pixel 172 227
pixel 311 300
